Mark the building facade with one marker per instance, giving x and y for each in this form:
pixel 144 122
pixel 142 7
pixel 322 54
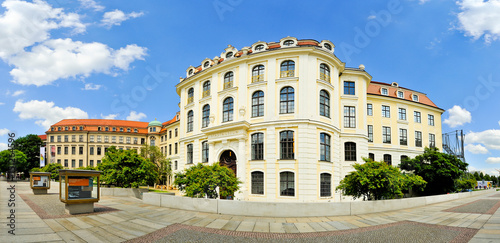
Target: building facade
pixel 288 117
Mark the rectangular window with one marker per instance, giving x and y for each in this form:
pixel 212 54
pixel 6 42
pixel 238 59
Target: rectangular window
pixel 189 158
pixel 113 139
pixel 66 138
pixel 402 114
pixel 369 109
pixel 325 185
pixel 106 139
pixel 80 163
pixel 135 140
pixel 176 132
pixel 386 111
pixel 258 146
pixel 51 139
pixel 401 94
pixel 349 116
pixel 59 161
pixel 324 147
pixel 403 136
pixel 286 145
pixel 432 140
pixel 170 134
pixel 350 151
pixel 73 163
pixel 431 119
pixel 80 138
pixel 91 150
pixel 120 139
pixel 258 182
pixel 91 162
pixel 415 98
pixel 170 149
pixel 98 150
pixel 99 138
pixel 418 139
pixel 65 163
pixel 91 138
pixel 370 133
pixel 385 91
pixel 175 149
pixel 98 162
pixel 349 88
pixel 59 138
pixel 417 117
pixel 80 150
pixel 204 152
pixel 66 149
pixel 128 139
pixel 386 134
pixel 58 150
pixel 73 138
pixel 287 184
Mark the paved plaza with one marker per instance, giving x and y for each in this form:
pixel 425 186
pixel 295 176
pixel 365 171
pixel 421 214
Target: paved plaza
pixel 41 218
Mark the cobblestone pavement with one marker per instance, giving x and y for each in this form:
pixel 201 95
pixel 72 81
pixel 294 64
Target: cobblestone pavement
pixel 130 219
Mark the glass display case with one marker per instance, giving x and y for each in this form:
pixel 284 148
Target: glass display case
pixel 40 182
pixel 79 189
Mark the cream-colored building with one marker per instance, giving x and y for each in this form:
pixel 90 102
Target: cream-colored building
pixel 290 119
pixel 75 143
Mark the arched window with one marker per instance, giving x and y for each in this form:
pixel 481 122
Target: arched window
pixel 258 182
pixel 287 184
pixel 258 146
pixel 286 145
pixel 205 119
pixel 324 103
pixel 388 159
pixel 258 104
pixel 206 64
pixel 350 151
pixel 324 72
pixel 324 145
pixel 326 185
pixel 287 100
pixel 371 156
pixel 204 151
pixel 227 110
pixel 258 73
pixel 287 69
pixel 190 95
pixel 189 157
pixel 206 89
pixel 190 121
pixel 288 42
pixel 259 47
pixel 191 71
pixel 327 46
pixel 229 54
pixel 228 80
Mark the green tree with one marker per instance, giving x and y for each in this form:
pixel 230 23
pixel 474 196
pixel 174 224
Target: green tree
pixel 126 168
pixel 438 169
pixel 163 165
pixel 53 168
pixel 376 180
pixel 476 176
pixel 203 180
pixel 481 176
pixel 87 168
pixel 6 159
pixel 487 177
pixel 30 146
pixel 465 183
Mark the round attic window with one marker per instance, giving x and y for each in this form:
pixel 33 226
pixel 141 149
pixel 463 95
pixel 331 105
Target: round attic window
pixel 327 46
pixel 259 47
pixel 229 55
pixel 191 71
pixel 288 43
pixel 206 64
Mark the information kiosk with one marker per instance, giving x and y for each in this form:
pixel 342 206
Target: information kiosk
pixel 79 189
pixel 40 182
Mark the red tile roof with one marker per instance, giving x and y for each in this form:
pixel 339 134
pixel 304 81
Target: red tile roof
pixel 376 89
pixel 93 124
pixel 43 137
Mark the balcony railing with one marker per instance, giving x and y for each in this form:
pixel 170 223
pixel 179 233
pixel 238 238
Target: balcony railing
pixel 206 93
pixel 190 100
pixel 228 85
pixel 257 78
pixel 325 77
pixel 289 73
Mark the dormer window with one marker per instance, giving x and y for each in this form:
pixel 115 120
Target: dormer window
pixel 135 130
pixel 259 47
pixel 65 128
pixel 74 128
pixel 106 129
pixel 385 91
pixel 58 128
pixel 121 129
pixel 191 71
pixel 395 84
pixel 206 64
pixel 327 46
pixel 229 54
pixel 98 128
pixel 114 129
pixel 128 129
pixel 81 128
pixel 401 94
pixel 288 43
pixel 415 97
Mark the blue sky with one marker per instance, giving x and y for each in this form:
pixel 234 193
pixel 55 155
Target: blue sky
pixel 122 59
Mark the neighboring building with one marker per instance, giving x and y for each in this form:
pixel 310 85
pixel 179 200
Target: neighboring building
pixel 290 119
pixel 77 143
pixel 287 117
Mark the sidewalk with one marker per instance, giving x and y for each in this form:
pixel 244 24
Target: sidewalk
pixel 456 221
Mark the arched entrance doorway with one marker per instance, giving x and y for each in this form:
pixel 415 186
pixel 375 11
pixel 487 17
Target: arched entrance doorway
pixel 228 159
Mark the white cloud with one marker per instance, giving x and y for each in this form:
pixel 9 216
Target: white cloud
pixel 1 103
pixel 134 116
pixel 116 17
pixel 422 1
pixel 92 86
pixel 3 146
pixel 65 58
pixel 19 92
pixel 480 18
pixel 499 123
pixel 26 23
pixel 476 149
pixel 457 116
pixel 91 4
pixel 493 160
pixel 489 138
pixel 110 116
pixel 4 131
pixel 372 17
pixel 46 113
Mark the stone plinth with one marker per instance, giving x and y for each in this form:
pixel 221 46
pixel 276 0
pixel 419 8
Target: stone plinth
pixel 39 191
pixel 79 208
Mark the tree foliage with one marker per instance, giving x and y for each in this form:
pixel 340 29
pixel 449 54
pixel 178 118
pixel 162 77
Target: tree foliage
pixel 465 183
pixel 30 146
pixel 377 180
pixel 203 180
pixel 440 170
pixel 53 168
pixel 163 165
pixel 6 158
pixel 126 168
